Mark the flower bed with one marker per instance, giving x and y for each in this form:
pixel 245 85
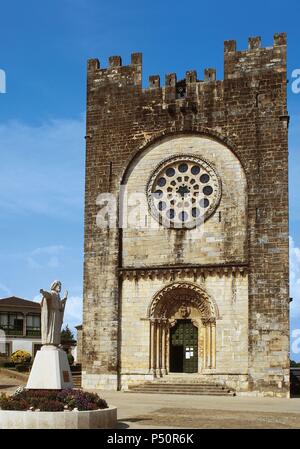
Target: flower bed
pixel 55 409
pixel 52 400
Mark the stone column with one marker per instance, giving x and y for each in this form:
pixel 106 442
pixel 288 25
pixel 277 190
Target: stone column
pixel 152 346
pixel 208 335
pixel 213 344
pixel 163 347
pixel 158 346
pixel 204 335
pixel 167 347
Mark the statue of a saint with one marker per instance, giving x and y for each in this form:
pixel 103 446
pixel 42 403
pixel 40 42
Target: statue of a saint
pixel 52 314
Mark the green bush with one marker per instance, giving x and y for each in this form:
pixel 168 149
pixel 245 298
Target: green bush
pixel 9 403
pixel 22 367
pixel 3 360
pixel 70 359
pixel 51 406
pixel 9 365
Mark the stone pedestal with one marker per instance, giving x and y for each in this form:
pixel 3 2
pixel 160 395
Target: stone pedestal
pixel 50 370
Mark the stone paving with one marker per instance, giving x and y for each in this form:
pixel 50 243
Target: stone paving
pixel 147 411
pixel 10 381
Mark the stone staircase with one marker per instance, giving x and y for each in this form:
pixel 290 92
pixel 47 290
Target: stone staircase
pixel 182 386
pixel 76 376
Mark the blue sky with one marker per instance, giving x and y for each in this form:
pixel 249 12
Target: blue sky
pixel 43 50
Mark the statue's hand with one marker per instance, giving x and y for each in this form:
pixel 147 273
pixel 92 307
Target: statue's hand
pixel 41 291
pixel 66 294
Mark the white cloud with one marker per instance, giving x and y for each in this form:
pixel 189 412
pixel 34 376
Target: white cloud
pixel 295 279
pixel 73 311
pixel 47 256
pixel 53 262
pixel 5 289
pixel 39 258
pixel 51 250
pixel 42 167
pixel 32 263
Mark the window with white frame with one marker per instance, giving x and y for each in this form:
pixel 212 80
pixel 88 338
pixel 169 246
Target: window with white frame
pixel 33 325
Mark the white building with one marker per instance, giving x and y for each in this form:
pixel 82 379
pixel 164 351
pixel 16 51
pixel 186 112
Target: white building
pixel 20 326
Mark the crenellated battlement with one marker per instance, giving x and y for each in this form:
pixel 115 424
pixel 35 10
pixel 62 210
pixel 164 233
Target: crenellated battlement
pixel 114 61
pixel 238 63
pixel 115 72
pixel 251 62
pixel 279 39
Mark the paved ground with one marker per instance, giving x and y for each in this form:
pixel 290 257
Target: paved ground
pixel 153 411
pixel 137 410
pixel 9 381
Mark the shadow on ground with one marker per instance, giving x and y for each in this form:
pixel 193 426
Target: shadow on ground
pixel 216 419
pixel 4 387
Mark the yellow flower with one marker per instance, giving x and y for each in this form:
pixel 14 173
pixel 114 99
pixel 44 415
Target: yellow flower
pixel 20 356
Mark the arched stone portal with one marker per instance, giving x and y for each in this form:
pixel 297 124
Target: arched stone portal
pixel 183 306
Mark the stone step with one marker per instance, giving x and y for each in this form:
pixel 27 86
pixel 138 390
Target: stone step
pixel 181 388
pixel 185 392
pixel 156 387
pixel 194 384
pixel 178 391
pixel 76 376
pixel 186 385
pixel 183 382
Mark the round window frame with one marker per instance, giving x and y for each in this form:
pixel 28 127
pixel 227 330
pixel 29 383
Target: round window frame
pixel 181 158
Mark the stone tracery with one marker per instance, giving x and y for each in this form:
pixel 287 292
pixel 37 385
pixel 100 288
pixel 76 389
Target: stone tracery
pixel 183 191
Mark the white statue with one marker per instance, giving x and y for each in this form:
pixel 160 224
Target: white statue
pixel 52 314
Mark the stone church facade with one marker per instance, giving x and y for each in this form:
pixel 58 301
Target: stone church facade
pixel 186 224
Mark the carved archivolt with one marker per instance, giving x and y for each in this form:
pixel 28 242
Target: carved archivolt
pixel 168 300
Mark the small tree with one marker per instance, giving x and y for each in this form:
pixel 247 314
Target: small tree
pixel 294 364
pixel 66 334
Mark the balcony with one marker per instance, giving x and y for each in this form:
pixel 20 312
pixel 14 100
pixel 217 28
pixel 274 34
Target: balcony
pixel 15 332
pixel 33 332
pixel 12 332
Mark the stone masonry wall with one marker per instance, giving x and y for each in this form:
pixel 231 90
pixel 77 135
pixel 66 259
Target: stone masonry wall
pixel 231 296
pixel 247 113
pixel 220 239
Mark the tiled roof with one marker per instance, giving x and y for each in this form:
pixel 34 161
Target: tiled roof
pixel 14 301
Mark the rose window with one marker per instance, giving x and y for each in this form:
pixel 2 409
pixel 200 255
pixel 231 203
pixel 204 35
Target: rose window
pixel 183 191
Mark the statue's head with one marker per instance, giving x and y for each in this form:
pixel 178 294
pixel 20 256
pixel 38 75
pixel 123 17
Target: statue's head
pixel 184 310
pixel 56 286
